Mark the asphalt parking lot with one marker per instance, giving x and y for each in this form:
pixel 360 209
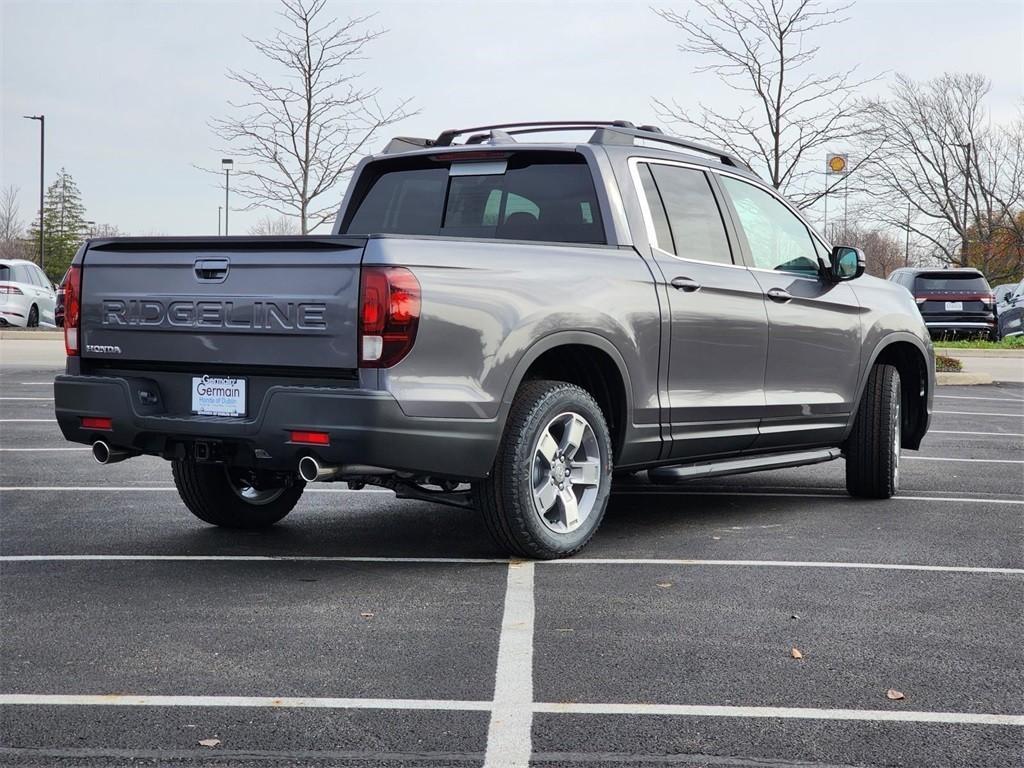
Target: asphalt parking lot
pixel 366 630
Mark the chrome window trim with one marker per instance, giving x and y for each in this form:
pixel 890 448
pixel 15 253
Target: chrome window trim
pixel 645 211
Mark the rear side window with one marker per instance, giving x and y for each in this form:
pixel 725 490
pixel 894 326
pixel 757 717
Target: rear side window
pixel 691 211
pixel 22 275
pixel 540 196
pixel 954 282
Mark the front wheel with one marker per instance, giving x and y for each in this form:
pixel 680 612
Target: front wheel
pixel 873 449
pixel 550 482
pixel 232 497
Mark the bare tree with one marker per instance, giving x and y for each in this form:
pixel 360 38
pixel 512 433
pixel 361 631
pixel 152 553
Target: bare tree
pixel 961 175
pixel 300 130
pixel 884 252
pixel 274 225
pixel 789 115
pixel 12 229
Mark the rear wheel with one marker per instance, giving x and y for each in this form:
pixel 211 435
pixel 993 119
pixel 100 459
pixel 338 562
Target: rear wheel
pixel 33 317
pixel 873 449
pixel 232 497
pixel 549 486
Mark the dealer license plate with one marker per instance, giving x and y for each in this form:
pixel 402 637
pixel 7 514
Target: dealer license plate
pixel 218 396
pixel 954 306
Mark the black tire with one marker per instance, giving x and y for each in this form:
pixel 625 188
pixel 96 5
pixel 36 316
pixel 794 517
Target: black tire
pixel 506 498
pixel 213 493
pixel 33 317
pixel 872 451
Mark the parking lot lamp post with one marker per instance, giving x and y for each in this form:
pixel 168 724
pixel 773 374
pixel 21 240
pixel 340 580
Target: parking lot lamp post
pixel 42 182
pixel 219 209
pixel 967 186
pixel 227 164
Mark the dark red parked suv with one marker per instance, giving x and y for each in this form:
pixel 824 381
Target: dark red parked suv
pixel 952 301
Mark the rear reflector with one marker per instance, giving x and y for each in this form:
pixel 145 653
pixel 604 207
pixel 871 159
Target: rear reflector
pixel 311 438
pixel 97 422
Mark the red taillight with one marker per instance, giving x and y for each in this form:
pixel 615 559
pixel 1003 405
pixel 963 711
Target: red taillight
pixel 97 422
pixel 389 313
pixel 72 310
pixel 11 290
pixel 311 438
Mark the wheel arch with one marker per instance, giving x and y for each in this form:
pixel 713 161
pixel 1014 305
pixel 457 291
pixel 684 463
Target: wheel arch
pixel 915 363
pixel 587 360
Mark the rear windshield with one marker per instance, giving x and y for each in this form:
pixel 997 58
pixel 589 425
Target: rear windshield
pixel 540 196
pixel 5 273
pixel 968 283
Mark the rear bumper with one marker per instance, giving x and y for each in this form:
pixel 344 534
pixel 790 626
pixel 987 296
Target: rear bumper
pixel 366 427
pixel 972 326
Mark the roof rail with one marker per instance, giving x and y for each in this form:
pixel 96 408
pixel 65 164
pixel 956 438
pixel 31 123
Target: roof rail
pixel 446 138
pixel 621 132
pixel 627 136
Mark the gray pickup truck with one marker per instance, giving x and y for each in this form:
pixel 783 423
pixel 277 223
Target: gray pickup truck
pixel 500 324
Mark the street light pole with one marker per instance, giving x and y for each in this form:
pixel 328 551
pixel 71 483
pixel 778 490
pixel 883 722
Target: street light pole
pixel 227 164
pixel 42 183
pixel 967 184
pixel 219 209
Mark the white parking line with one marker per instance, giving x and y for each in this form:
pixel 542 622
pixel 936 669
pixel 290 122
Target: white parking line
pixel 513 564
pixel 968 397
pixel 509 733
pixel 982 413
pixel 28 421
pixel 560 708
pixel 48 399
pixel 40 450
pixel 986 434
pixel 253 559
pixel 798 713
pixel 975 461
pixel 300 702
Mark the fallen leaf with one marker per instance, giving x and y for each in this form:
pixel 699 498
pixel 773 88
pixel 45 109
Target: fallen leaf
pixel 795 653
pixel 209 742
pixel 894 695
pixel 664 584
pixel 366 615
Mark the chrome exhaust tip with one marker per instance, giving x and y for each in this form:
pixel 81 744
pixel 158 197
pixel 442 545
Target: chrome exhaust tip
pixel 313 471
pixel 104 454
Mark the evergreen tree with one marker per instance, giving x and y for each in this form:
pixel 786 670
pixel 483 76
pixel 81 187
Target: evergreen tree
pixel 64 223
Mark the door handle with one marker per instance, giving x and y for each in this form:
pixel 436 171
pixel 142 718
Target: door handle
pixel 211 270
pixel 780 295
pixel 685 284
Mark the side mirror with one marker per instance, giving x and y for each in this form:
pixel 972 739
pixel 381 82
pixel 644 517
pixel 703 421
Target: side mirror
pixel 847 263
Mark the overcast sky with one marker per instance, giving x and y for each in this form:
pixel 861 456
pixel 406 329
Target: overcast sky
pixel 128 87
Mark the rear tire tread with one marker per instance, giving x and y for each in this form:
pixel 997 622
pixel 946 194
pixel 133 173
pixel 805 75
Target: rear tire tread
pixel 205 490
pixel 500 500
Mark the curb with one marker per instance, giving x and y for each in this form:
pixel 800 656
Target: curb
pixel 960 379
pixel 17 334
pixel 953 352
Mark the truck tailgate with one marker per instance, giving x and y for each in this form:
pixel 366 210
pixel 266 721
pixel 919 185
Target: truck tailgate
pixel 267 301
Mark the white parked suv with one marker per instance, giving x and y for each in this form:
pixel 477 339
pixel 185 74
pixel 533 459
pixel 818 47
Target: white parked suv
pixel 27 297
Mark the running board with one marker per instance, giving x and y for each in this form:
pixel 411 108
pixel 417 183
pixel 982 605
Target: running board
pixel 737 466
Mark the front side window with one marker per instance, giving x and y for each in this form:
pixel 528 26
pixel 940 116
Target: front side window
pixel 540 196
pixel 690 213
pixel 778 239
